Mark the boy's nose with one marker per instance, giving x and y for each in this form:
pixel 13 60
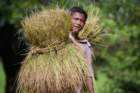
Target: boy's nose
pixel 78 22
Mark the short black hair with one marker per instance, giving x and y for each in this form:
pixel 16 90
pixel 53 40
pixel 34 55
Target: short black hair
pixel 79 10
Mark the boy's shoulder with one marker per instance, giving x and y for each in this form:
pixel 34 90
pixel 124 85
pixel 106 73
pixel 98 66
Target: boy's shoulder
pixel 85 41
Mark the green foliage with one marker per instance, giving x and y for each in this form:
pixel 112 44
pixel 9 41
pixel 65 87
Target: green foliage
pixel 68 3
pixel 122 11
pixel 106 85
pixel 2 79
pixel 119 61
pixel 122 58
pixel 14 10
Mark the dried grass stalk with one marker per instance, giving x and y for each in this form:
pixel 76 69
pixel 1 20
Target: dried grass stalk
pixel 53 73
pixel 47 27
pixel 93 31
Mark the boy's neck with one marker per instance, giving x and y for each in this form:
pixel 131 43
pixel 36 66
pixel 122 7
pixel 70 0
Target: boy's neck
pixel 75 35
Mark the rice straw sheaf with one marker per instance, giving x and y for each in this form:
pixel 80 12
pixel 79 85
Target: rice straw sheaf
pixel 47 27
pixel 93 31
pixel 53 64
pixel 53 73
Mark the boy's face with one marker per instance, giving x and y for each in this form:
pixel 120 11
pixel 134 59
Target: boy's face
pixel 78 21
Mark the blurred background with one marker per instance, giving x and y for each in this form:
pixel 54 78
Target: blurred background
pixel 117 64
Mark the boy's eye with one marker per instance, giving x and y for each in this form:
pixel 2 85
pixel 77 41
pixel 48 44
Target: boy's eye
pixel 76 19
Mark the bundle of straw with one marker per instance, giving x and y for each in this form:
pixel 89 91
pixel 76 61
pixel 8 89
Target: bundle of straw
pixel 53 73
pixel 53 64
pixel 93 31
pixel 47 27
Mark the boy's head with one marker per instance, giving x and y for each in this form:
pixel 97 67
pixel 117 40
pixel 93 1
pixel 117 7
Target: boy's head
pixel 78 19
pixel 79 10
